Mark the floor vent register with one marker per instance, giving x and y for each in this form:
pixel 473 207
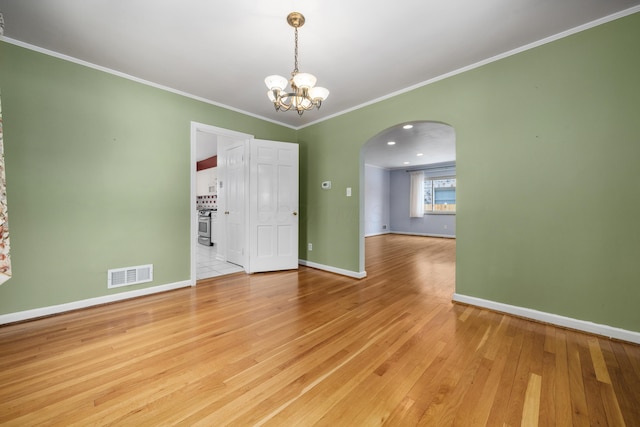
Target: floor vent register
pixel 128 276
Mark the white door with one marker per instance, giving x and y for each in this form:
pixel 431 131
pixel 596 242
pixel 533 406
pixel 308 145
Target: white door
pixel 273 206
pixel 233 192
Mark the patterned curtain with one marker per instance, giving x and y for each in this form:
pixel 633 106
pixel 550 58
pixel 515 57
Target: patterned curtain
pixel 5 261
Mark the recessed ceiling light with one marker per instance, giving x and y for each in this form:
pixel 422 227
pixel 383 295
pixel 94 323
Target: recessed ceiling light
pixel 419 154
pixel 407 126
pixel 391 143
pixel 405 163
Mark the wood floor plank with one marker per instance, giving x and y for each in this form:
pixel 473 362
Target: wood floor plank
pixel 427 387
pixel 563 405
pixel 456 376
pixel 611 406
pixel 626 384
pixel 529 361
pixel 531 406
pixel 500 407
pixel 595 405
pixel 548 392
pixel 312 348
pixel 481 394
pixel 599 365
pixel 580 413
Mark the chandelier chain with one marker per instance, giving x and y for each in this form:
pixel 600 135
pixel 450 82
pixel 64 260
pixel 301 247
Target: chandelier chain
pixel 295 56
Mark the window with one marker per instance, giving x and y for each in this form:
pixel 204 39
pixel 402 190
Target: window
pixel 440 194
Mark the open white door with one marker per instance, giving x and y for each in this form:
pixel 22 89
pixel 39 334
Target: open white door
pixel 273 206
pixel 232 189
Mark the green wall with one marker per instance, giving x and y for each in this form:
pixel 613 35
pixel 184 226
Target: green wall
pixel 548 144
pixel 548 160
pixel 98 171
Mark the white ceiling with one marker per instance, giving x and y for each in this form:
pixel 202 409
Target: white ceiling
pixel 360 50
pixel 424 143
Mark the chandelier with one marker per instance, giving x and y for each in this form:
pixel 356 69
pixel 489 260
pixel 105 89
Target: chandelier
pixel 304 95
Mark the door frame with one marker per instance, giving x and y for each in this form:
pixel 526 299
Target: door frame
pixel 202 127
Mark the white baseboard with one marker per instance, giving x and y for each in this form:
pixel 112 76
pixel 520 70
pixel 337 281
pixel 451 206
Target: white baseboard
pixel 377 234
pixel 354 274
pixel 554 319
pixel 447 236
pixel 75 305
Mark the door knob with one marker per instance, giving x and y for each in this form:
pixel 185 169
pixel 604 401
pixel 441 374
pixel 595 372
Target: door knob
pixel 295 213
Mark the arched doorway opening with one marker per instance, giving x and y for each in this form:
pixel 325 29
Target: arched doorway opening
pixel 387 161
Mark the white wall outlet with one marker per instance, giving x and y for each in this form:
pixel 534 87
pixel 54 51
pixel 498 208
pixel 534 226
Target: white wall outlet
pixel 310 246
pixel 326 185
pixel 348 191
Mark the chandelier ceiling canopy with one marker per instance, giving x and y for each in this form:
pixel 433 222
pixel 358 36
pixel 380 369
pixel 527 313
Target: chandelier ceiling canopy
pixel 304 95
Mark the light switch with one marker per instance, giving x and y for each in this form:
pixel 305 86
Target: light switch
pixel 348 191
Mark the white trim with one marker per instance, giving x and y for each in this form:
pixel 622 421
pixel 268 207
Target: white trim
pixel 377 167
pixel 76 305
pixel 138 80
pixel 498 57
pixel 377 234
pixel 554 319
pixel 349 273
pixel 446 236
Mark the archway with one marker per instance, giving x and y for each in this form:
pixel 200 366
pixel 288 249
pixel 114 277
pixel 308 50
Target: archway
pixel 385 162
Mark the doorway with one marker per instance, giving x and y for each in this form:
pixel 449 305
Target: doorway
pixel 257 201
pixel 211 261
pixel 386 162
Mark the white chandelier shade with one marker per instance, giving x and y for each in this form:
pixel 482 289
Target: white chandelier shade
pixel 274 82
pixel 304 80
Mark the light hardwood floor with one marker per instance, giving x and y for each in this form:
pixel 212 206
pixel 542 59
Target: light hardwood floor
pixel 309 347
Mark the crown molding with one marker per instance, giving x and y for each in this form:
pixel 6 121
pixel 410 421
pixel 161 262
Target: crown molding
pixel 461 70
